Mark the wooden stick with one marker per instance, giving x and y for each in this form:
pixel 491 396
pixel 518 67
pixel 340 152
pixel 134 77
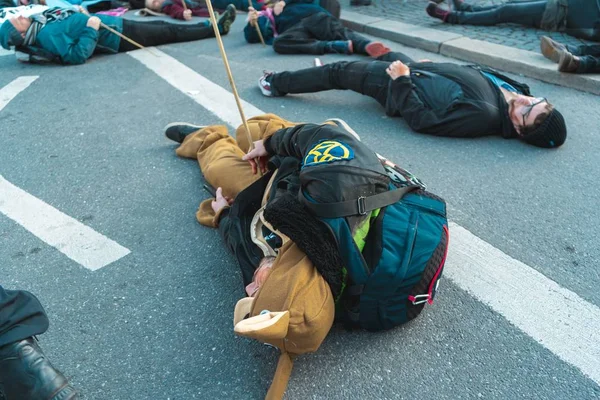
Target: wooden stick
pixel 133 42
pixel 213 22
pixel 260 36
pixel 184 5
pixel 119 34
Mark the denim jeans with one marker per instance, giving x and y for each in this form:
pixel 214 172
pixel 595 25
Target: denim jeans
pixel 527 13
pixel 365 77
pixel 311 34
pixel 589 57
pixel 154 33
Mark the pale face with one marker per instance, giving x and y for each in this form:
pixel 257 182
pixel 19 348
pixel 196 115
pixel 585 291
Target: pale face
pixel 154 5
pixel 21 24
pixel 524 110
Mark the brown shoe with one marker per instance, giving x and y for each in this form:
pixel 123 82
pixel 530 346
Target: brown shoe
pixel 551 49
pixel 568 62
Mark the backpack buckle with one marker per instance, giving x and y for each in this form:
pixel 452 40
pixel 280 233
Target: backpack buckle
pixel 362 207
pixel 417 299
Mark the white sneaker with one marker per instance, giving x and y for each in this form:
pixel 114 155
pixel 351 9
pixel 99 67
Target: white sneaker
pixel 264 84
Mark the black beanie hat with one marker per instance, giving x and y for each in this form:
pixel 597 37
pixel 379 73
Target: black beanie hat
pixel 551 133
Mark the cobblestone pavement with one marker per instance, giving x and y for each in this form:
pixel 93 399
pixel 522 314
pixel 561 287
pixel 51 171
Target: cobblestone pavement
pixel 413 12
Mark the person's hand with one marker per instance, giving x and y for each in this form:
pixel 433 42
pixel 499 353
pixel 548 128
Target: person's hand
pixel 425 60
pixel 278 7
pixel 252 16
pixel 94 23
pixel 187 14
pixel 220 201
pixel 24 2
pixel 257 157
pixel 397 69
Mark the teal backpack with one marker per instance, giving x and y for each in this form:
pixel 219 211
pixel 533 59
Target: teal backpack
pixel 399 268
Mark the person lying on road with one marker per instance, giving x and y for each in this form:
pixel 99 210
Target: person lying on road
pixel 69 37
pixel 443 99
pixel 175 8
pixel 292 261
pixel 579 18
pixel 301 26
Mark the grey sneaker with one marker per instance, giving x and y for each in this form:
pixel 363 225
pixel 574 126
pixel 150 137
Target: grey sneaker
pixel 177 131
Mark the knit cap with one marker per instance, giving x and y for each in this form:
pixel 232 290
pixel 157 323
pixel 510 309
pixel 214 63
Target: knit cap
pixel 551 133
pixel 9 35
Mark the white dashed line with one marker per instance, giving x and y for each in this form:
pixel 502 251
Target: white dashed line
pixel 77 241
pixel 206 93
pixel 10 91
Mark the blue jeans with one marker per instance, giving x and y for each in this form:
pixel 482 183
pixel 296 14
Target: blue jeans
pixel 589 57
pixel 527 13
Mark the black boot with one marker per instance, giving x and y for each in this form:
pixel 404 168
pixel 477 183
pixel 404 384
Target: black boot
pixel 177 131
pixel 26 373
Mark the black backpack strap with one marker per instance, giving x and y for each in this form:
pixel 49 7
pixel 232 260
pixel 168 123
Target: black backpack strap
pixel 360 206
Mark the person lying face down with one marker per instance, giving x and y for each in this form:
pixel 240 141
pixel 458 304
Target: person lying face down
pixel 68 37
pixel 443 99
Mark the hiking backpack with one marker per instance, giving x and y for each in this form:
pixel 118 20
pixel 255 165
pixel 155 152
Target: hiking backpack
pixel 400 266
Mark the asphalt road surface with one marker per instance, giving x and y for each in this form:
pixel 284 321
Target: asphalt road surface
pixel 156 323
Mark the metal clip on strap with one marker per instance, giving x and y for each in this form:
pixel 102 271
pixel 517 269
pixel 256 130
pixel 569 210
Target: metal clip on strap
pixel 417 299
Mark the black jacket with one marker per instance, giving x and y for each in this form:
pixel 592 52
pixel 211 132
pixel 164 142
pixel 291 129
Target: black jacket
pixel 330 165
pixel 452 100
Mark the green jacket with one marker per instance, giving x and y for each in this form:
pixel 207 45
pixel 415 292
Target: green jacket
pixel 74 42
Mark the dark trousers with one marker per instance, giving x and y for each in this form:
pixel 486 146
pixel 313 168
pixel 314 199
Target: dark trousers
pixel 589 57
pixel 365 77
pixel 21 316
pixel 154 33
pixel 311 34
pixel 528 13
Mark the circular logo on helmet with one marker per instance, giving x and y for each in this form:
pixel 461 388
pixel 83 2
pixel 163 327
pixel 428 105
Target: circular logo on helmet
pixel 328 151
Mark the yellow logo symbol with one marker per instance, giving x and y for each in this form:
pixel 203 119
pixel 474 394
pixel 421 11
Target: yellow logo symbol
pixel 328 151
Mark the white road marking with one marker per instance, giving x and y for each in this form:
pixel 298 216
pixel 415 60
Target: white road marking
pixel 6 52
pixel 10 91
pixel 77 241
pixel 555 317
pixel 206 93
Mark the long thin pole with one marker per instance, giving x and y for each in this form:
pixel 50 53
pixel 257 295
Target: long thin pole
pixel 260 36
pixel 184 5
pixel 213 22
pixel 119 34
pixel 133 42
